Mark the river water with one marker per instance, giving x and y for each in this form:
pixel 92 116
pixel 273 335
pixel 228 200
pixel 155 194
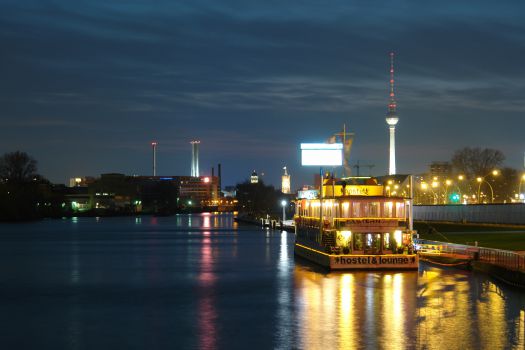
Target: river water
pixel 202 282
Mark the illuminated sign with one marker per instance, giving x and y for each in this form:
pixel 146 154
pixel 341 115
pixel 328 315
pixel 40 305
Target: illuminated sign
pixel 374 261
pixel 308 194
pixel 352 190
pixel 329 154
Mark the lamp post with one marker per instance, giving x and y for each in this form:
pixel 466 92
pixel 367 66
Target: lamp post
pixel 424 187
pixel 283 204
pixel 447 184
pixel 481 179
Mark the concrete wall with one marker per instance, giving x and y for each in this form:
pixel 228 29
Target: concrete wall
pixel 482 213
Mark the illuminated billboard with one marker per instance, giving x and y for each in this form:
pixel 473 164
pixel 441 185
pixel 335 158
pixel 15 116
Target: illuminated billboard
pixel 322 154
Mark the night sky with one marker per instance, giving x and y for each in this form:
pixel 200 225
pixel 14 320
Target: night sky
pixel 85 86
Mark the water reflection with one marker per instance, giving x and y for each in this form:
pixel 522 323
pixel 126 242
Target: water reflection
pixel 284 295
pixel 434 309
pixel 159 284
pixel 207 313
pixel 206 220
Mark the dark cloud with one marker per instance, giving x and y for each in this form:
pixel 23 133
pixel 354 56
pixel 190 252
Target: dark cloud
pixel 253 79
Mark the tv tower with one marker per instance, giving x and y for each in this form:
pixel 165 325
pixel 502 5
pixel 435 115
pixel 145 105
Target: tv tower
pixel 154 146
pixel 391 120
pixel 195 158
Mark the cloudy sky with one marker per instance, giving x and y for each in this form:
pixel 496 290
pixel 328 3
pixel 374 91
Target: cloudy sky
pixel 86 85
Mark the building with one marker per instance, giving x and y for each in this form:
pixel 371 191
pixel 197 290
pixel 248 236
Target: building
pixel 199 191
pixel 81 181
pixel 119 193
pixel 285 182
pixel 441 170
pixel 254 179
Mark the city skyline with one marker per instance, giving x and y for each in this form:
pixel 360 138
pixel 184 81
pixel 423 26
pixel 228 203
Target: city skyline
pixel 87 86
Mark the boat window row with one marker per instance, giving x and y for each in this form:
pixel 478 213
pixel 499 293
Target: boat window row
pixel 356 209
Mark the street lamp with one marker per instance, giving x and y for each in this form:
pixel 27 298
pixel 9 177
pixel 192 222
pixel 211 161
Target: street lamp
pixel 481 179
pixel 424 187
pixel 283 204
pixel 447 183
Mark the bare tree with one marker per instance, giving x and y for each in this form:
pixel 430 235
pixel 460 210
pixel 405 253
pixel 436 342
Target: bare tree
pixel 474 162
pixel 17 167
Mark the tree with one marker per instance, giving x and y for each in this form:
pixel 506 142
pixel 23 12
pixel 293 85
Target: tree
pixel 473 162
pixel 506 184
pixel 258 199
pixel 20 187
pixel 17 167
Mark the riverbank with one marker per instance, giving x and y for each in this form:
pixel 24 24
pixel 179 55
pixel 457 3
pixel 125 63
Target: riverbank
pixel 506 237
pixel 505 265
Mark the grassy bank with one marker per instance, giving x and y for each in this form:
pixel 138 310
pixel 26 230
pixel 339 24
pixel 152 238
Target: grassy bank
pixel 491 236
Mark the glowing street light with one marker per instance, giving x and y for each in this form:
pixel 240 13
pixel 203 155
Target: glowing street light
pixel 283 204
pixel 434 184
pixel 481 179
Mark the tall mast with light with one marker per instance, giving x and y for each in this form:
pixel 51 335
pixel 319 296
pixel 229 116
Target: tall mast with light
pixel 154 146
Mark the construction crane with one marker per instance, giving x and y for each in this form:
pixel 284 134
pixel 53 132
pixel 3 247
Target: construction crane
pixel 358 166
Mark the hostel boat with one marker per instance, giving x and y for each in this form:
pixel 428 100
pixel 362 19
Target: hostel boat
pixel 355 223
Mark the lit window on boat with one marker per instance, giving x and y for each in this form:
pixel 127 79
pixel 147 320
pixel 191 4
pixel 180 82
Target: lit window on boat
pixel 372 210
pixel 400 210
pixel 356 209
pixel 388 209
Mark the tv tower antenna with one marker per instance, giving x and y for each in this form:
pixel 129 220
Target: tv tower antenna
pixel 392 119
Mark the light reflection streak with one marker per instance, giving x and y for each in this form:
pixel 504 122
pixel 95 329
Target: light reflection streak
pixel 393 330
pixel 267 248
pixel 347 319
pixel 284 316
pixel 491 314
pixel 370 321
pixel 520 329
pixel 206 220
pixel 207 313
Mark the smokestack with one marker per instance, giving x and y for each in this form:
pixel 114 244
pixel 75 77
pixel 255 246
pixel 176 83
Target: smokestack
pixel 195 158
pixel 154 146
pixel 219 175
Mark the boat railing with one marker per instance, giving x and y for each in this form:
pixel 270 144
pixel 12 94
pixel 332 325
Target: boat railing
pixel 503 258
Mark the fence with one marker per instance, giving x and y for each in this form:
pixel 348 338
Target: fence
pixel 512 214
pixel 503 258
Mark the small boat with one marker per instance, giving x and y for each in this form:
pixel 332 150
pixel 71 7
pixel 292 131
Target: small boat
pixel 444 258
